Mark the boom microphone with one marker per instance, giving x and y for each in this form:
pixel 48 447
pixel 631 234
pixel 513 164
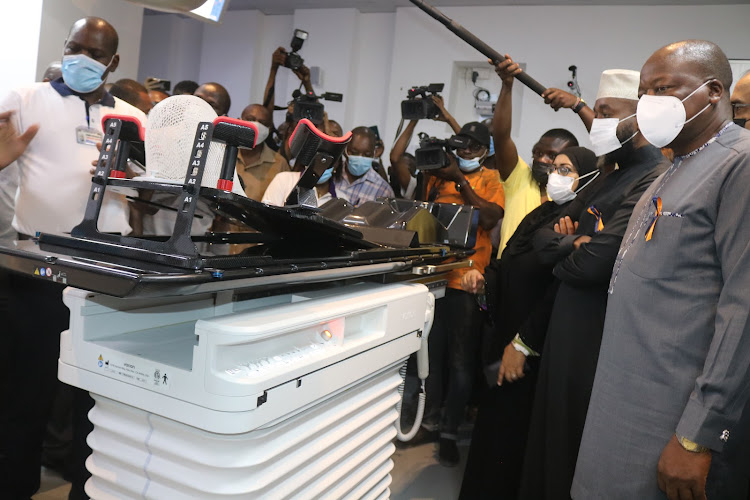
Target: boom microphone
pixel 475 42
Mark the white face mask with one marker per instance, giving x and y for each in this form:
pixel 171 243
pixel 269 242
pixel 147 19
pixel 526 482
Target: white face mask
pixel 560 187
pixel 603 135
pixel 662 117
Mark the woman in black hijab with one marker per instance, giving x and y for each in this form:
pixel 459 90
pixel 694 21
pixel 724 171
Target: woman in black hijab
pixel 515 286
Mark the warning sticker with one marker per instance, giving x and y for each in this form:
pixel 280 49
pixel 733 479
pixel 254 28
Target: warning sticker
pixel 47 272
pixel 135 371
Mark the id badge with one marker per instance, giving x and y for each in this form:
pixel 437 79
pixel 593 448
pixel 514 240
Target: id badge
pixel 88 136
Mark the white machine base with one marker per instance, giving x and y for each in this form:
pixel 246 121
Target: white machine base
pixel 338 449
pixel 210 397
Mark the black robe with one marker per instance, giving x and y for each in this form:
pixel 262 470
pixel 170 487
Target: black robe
pixel 514 286
pixel 571 344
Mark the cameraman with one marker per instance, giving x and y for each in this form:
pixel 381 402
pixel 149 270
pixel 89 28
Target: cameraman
pixel 407 178
pixel 455 337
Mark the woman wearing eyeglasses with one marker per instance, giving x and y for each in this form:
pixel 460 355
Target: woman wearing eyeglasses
pixel 515 286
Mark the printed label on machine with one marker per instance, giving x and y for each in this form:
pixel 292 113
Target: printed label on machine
pixel 48 273
pixel 134 371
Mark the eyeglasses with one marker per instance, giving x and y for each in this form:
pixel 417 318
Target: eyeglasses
pixel 561 169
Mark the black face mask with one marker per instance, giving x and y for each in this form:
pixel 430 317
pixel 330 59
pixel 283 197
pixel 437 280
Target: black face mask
pixel 539 172
pixel 621 155
pixel 740 121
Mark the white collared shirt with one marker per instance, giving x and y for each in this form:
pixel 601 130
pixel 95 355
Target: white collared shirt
pixel 54 171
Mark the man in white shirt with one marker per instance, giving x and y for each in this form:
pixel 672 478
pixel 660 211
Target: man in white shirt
pixel 59 124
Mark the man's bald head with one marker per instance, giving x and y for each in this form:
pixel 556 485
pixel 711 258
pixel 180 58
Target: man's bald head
pixel 133 93
pixel 697 73
pixel 215 95
pixel 257 113
pixel 101 28
pixel 335 128
pixel 702 58
pixel 157 96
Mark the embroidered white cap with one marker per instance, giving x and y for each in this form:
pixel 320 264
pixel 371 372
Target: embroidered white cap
pixel 619 83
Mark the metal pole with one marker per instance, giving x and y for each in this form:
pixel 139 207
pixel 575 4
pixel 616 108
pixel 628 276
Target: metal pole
pixel 475 42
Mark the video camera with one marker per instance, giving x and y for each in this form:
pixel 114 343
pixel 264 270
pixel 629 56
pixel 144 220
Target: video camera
pixel 433 153
pixel 294 61
pixel 418 105
pixel 308 105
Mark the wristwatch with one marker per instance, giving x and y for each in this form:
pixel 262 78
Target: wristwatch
pixel 579 106
pixel 460 185
pixel 691 446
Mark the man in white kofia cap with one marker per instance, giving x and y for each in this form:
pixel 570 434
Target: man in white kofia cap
pixel 583 246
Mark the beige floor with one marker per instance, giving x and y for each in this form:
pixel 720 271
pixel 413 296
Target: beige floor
pixel 416 476
pixel 53 486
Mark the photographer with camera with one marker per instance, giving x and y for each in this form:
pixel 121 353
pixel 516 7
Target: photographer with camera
pixel 455 337
pixel 472 183
pixel 407 178
pixel 279 59
pixel 358 181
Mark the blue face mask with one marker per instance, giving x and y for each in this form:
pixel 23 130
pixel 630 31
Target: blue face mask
pixel 469 165
pixel 326 175
pixel 492 147
pixel 358 165
pixel 82 74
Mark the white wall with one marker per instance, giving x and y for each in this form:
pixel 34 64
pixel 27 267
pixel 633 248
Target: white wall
pixel 374 58
pixel 275 32
pixel 170 48
pixel 368 90
pixel 548 40
pixel 19 34
pixel 352 49
pixel 59 15
pixel 228 55
pixel 354 52
pixel 236 53
pixel 332 45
